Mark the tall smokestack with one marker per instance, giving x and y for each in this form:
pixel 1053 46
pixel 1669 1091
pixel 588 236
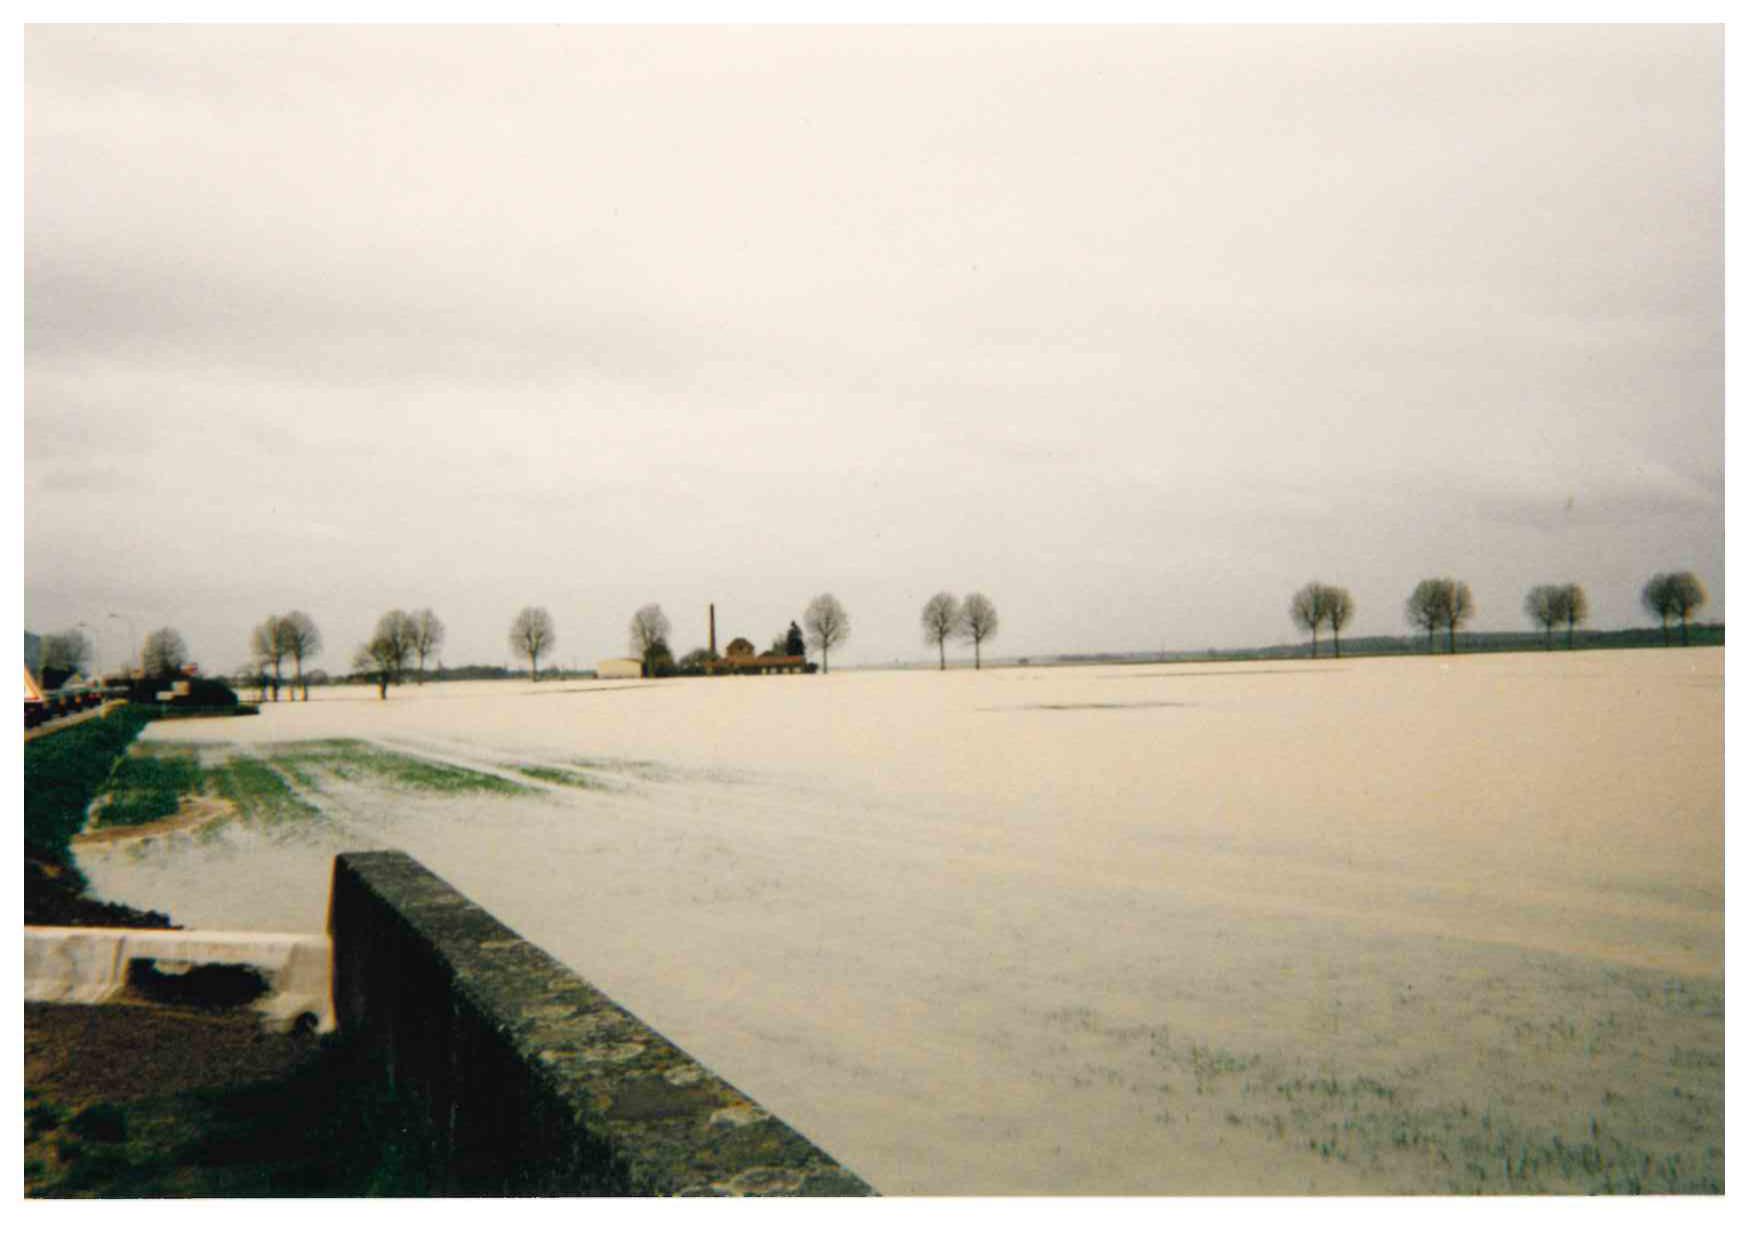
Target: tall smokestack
pixel 713 630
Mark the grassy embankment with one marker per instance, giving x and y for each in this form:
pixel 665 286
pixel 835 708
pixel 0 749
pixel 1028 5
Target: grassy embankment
pixel 166 1102
pixel 62 773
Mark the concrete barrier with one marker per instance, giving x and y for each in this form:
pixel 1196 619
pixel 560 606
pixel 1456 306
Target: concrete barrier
pixel 533 1082
pixel 80 964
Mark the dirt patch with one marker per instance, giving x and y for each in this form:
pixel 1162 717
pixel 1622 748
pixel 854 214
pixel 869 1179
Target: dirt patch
pixel 194 813
pixel 77 1054
pixel 134 1100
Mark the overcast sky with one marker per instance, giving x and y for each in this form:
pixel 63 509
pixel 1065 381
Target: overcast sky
pixel 1133 330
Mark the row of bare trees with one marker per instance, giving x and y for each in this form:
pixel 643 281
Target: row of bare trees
pixel 974 620
pixel 409 639
pixel 291 636
pixel 1448 604
pixel 401 639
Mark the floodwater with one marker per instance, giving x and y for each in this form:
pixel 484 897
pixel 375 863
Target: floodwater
pixel 1375 926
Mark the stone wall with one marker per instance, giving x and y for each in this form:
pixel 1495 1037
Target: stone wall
pixel 534 1082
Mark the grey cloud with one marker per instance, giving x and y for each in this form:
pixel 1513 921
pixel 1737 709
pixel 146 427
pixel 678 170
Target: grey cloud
pixel 1166 316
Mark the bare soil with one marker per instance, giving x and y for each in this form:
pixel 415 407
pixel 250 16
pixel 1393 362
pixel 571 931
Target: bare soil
pixel 78 1054
pixel 136 1100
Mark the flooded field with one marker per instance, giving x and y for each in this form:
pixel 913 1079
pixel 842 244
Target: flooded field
pixel 1376 926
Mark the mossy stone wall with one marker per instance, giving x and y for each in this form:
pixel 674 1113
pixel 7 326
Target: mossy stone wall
pixel 534 1082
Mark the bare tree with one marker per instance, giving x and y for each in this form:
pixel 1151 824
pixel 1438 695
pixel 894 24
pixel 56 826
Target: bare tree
pixel 1655 597
pixel 267 644
pixel 531 635
pixel 301 639
pixel 1337 610
pixel 163 653
pixel 1309 610
pixel 1441 602
pixel 427 634
pixel 828 625
pixel 1674 595
pixel 1688 595
pixel 941 621
pixel 1426 608
pixel 1576 608
pixel 978 622
pixel 388 652
pixel 68 651
pixel 1459 608
pixel 1546 605
pixel 649 630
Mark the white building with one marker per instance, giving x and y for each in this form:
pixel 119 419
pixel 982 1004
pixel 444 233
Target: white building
pixel 618 669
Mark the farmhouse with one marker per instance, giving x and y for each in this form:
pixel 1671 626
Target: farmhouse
pixel 743 659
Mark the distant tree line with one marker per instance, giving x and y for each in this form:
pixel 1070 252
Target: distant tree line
pixel 1446 603
pixel 408 642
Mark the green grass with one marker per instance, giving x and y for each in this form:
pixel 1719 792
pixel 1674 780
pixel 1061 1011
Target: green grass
pixel 65 770
pixel 308 762
pixel 258 790
pixel 149 784
pixel 559 775
pixel 151 781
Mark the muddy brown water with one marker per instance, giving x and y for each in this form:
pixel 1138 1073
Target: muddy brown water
pixel 1376 926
